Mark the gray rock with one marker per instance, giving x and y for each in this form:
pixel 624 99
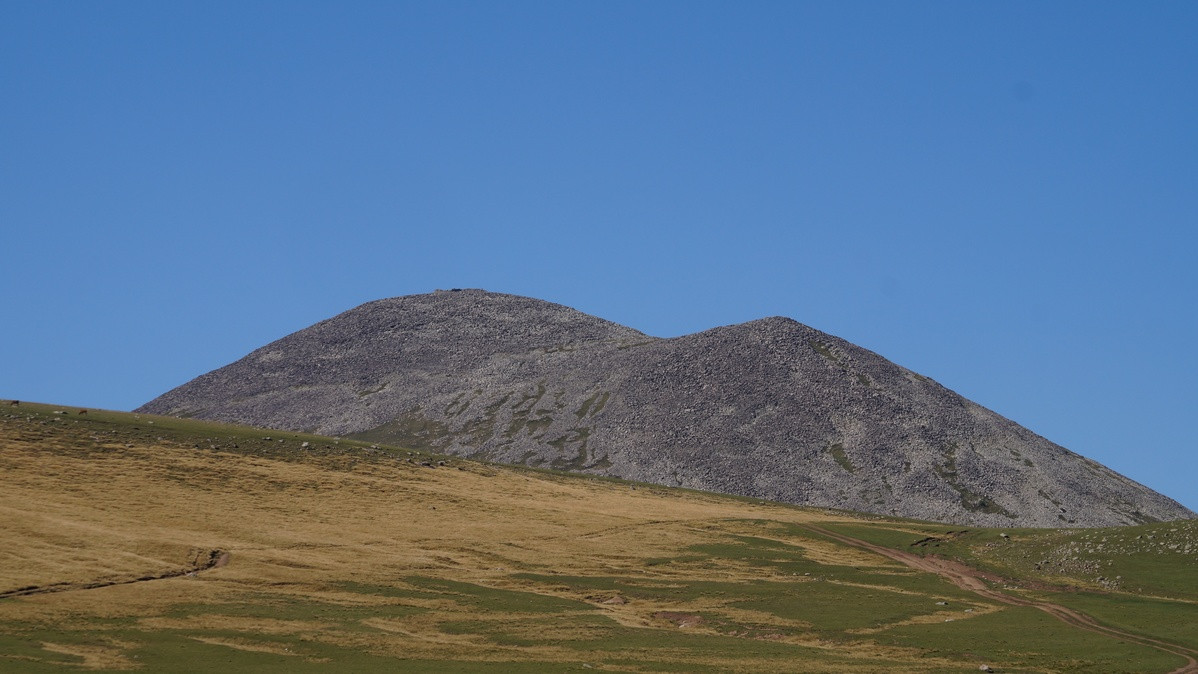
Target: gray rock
pixel 771 409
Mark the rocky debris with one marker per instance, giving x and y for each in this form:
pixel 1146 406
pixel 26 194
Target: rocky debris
pixel 681 620
pixel 1092 554
pixel 770 409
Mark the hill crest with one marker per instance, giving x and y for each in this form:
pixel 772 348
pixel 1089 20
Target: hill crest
pixel 770 408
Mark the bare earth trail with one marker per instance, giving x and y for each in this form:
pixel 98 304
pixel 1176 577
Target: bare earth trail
pixel 207 559
pixel 970 579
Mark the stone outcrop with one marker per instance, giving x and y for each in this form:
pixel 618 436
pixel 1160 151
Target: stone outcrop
pixel 771 409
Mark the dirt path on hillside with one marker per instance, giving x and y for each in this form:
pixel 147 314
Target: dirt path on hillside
pixel 971 579
pixel 207 559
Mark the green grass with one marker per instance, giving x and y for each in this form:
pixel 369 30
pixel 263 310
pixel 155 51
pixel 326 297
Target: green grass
pixel 824 350
pixel 284 607
pixel 831 608
pixel 574 436
pixel 883 534
pixel 412 430
pixel 750 582
pixel 1149 559
pixel 837 452
pixel 482 598
pixel 332 624
pixel 183 652
pixel 1138 559
pixel 1016 638
pixel 828 599
pixel 1173 621
pixel 597 401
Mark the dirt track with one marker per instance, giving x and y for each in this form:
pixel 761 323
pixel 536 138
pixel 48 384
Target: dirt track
pixel 970 579
pixel 207 559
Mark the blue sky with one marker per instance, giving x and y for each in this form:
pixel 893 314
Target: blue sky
pixel 1001 196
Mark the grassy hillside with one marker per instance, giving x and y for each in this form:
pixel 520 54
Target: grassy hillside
pixel 1143 578
pixel 142 542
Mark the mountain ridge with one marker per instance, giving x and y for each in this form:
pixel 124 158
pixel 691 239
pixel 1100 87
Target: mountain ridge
pixel 770 408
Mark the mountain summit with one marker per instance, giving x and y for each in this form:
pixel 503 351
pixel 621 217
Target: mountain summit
pixel 770 408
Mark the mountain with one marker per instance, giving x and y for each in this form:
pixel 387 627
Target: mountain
pixel 771 409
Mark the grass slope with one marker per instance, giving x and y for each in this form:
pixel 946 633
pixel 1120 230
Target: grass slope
pixel 345 555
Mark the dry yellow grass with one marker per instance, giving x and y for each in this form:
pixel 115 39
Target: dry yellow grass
pixel 341 553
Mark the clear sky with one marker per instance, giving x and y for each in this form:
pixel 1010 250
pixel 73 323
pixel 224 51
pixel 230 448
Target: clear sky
pixel 1001 196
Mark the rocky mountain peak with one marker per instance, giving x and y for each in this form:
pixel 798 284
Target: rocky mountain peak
pixel 770 408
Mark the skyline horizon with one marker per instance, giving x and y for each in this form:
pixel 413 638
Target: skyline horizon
pixel 999 197
pixel 670 337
